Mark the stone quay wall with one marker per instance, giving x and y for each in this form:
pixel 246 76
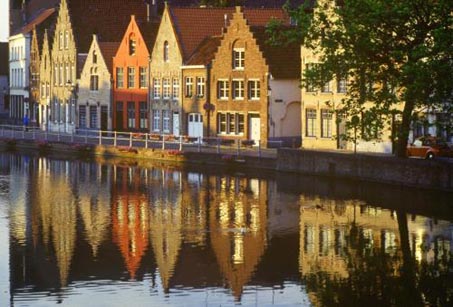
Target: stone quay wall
pixel 435 174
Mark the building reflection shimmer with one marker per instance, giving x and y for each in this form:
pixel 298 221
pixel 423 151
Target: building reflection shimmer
pixel 76 221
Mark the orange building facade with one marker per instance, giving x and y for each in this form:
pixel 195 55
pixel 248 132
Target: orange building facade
pixel 130 77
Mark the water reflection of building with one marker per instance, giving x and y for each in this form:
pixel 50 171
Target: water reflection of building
pixel 94 202
pixel 55 205
pixel 165 220
pixel 130 216
pixel 326 226
pixel 237 224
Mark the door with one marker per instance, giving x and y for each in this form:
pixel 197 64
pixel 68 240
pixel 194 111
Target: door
pixel 176 124
pixel 104 118
pixel 254 128
pixel 195 125
pixel 119 116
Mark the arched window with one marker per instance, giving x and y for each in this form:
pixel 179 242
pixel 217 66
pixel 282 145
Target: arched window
pixel 95 57
pixel 166 51
pixel 132 44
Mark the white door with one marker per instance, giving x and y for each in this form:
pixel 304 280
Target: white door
pixel 195 125
pixel 176 124
pixel 254 126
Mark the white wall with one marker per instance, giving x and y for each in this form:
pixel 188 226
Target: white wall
pixel 283 93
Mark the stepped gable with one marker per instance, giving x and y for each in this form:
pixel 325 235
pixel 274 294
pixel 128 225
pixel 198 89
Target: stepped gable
pixel 284 61
pixel 108 50
pixel 205 52
pixel 193 25
pixel 106 18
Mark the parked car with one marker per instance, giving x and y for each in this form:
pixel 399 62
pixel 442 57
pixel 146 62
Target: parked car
pixel 428 147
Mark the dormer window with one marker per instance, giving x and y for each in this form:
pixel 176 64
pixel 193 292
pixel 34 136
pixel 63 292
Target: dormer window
pixel 166 51
pixel 132 45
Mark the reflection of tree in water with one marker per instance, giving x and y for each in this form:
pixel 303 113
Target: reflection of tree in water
pixel 377 277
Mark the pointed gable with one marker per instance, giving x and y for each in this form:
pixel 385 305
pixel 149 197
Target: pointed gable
pixel 134 32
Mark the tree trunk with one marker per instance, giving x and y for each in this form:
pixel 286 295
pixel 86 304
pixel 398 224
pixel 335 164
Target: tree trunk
pixel 403 133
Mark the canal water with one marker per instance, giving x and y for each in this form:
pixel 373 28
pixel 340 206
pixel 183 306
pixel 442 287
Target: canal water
pixel 115 233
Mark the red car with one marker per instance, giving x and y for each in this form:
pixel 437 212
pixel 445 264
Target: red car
pixel 428 148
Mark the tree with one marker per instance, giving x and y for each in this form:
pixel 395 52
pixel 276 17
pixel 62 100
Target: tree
pixel 396 55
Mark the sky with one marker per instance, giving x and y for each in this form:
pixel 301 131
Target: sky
pixel 4 16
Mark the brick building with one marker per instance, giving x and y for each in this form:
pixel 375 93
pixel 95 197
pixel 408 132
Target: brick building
pixel 254 86
pixel 131 66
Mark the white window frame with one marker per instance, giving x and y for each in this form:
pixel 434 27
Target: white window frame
pixel 254 89
pixel 223 89
pixel 201 87
pixel 130 77
pixel 188 86
pixel 175 89
pixel 238 89
pixel 142 78
pixel 156 120
pixel 156 88
pixel 166 88
pixel 166 121
pixel 238 58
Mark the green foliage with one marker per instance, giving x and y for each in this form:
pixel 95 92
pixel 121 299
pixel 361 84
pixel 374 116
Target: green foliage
pixel 396 55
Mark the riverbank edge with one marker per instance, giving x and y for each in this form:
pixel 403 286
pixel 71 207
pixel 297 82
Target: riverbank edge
pixel 415 173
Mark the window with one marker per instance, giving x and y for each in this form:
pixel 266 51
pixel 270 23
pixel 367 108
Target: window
pixel 166 88
pixel 143 115
pixel 60 75
pixel 189 84
pixel 66 39
pixel 43 90
pixel 142 77
pixel 131 114
pixel 94 83
pixel 200 86
pixel 47 89
pixel 309 84
pixel 82 117
pixel 223 89
pixel 326 87
pixel 131 77
pixel 175 89
pixel 132 45
pixel 166 51
pixel 238 58
pixel 60 43
pixel 93 117
pixel 156 120
pixel 95 57
pixel 221 120
pixel 311 122
pixel 254 89
pixel 341 85
pixel 326 123
pixel 238 89
pixel 166 120
pixel 119 77
pixel 66 75
pixel 156 88
pixel 231 123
